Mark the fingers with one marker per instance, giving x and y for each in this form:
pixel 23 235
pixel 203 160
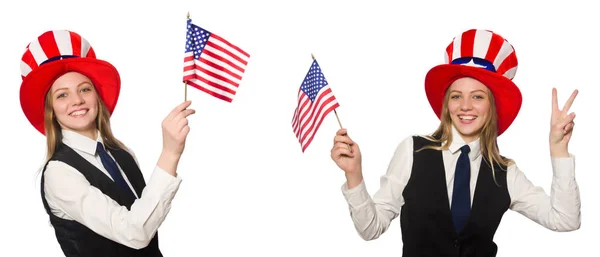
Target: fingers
pixel 185 131
pixel 570 101
pixel 554 101
pixel 179 108
pixel 342 136
pixel 343 139
pixel 341 132
pixel 181 124
pixel 177 123
pixel 567 120
pixel 184 114
pixel 340 150
pixel 175 116
pixel 569 127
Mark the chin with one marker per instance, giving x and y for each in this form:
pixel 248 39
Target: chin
pixel 82 127
pixel 472 130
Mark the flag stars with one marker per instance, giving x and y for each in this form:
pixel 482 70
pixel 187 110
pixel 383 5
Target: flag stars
pixel 313 82
pixel 196 40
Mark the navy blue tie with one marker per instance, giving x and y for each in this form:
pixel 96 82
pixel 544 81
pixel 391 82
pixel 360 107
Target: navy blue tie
pixel 111 166
pixel 461 195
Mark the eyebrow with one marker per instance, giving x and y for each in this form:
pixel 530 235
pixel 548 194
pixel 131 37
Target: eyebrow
pixel 85 82
pixel 477 90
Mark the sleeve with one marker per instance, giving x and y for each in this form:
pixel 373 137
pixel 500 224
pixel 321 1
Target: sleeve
pixel 68 191
pixel 560 211
pixel 372 216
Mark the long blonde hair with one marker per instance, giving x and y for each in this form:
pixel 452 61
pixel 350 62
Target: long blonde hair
pixel 488 135
pixel 54 134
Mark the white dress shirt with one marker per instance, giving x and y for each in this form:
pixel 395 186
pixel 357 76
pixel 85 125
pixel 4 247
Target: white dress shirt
pixel 559 212
pixel 70 196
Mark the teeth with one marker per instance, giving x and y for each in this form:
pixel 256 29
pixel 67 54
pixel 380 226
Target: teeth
pixel 77 113
pixel 467 117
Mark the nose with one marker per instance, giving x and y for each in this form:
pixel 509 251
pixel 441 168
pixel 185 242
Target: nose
pixel 78 99
pixel 466 104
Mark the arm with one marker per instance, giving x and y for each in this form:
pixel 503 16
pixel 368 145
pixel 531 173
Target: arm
pixel 157 167
pixel 558 212
pixel 89 206
pixel 561 210
pixel 372 216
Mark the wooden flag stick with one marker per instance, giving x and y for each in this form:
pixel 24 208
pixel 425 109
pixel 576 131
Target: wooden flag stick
pixel 185 83
pixel 338 118
pixel 335 111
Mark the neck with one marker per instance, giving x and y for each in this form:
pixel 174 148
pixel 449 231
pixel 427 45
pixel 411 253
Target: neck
pixel 468 139
pixel 89 133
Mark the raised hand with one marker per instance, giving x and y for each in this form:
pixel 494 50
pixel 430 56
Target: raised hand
pixel 561 126
pixel 346 154
pixel 175 129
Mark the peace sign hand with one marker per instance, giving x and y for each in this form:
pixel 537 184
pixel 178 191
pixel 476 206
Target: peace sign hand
pixel 561 125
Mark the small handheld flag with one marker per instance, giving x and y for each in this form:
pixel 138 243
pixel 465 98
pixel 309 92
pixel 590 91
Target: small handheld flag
pixel 315 101
pixel 212 64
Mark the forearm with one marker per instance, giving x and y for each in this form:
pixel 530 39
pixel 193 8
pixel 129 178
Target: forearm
pixel 371 220
pixel 559 150
pixel 89 206
pixel 353 180
pixel 168 162
pixel 137 227
pixel 561 210
pixel 565 202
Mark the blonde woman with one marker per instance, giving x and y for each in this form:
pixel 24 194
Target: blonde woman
pixel 91 186
pixel 451 188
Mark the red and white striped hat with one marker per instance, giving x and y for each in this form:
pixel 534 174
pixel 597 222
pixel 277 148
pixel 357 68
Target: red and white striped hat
pixel 487 57
pixel 53 54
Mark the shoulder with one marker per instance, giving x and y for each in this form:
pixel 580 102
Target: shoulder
pixel 511 166
pixel 121 147
pixel 406 143
pixel 56 167
pixel 510 163
pixel 57 174
pixel 422 140
pixel 129 151
pixel 412 142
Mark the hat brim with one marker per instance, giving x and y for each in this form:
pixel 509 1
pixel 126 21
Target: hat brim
pixel 507 95
pixel 36 84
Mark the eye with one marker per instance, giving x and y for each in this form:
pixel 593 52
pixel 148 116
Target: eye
pixel 478 97
pixel 86 89
pixel 454 96
pixel 61 95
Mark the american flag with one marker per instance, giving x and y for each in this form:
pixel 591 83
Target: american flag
pixel 212 64
pixel 315 101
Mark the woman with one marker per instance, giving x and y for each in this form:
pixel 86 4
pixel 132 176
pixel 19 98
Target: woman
pixel 451 188
pixel 92 189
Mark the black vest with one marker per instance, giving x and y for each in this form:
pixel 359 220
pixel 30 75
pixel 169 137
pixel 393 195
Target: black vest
pixel 426 219
pixel 76 239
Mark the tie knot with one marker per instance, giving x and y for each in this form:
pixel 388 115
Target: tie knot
pixel 100 147
pixel 465 149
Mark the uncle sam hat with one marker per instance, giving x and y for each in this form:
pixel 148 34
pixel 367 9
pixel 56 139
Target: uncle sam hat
pixel 486 57
pixel 53 54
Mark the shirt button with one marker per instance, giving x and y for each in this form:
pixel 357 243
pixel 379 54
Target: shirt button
pixel 456 244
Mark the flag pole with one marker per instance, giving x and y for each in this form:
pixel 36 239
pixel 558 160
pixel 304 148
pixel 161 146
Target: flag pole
pixel 185 82
pixel 334 111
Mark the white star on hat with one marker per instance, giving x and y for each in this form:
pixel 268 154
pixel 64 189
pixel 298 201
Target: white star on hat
pixel 472 64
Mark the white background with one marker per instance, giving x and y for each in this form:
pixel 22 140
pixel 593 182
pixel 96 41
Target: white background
pixel 247 187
